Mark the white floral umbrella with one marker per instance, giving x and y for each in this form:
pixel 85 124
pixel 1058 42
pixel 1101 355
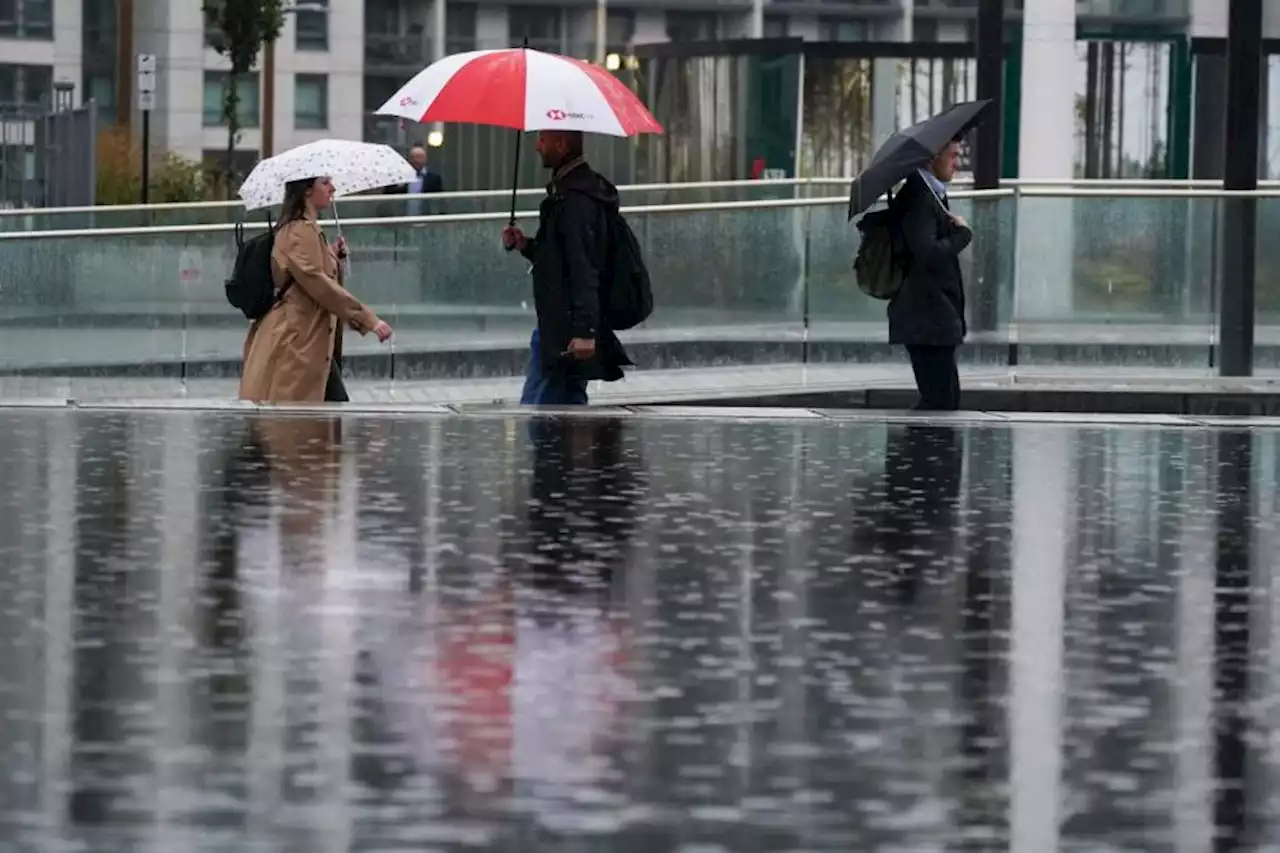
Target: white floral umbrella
pixel 352 166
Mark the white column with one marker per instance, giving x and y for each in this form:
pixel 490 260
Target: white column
pixel 1193 781
pixel 175 526
pixel 1046 151
pixel 492 28
pixel 884 79
pixel 339 612
pixel 174 32
pixel 1042 481
pixel 61 452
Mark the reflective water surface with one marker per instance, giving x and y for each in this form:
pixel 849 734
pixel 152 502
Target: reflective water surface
pixel 597 634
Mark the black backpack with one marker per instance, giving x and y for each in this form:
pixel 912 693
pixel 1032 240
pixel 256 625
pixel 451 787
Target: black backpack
pixel 628 295
pixel 251 287
pixel 878 267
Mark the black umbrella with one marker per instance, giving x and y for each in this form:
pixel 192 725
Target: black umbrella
pixel 910 149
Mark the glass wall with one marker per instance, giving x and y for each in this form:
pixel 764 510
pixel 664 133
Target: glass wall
pixel 1078 283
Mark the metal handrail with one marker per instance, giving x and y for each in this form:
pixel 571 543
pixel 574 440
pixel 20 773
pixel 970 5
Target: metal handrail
pixel 782 183
pixel 450 218
pixel 1144 192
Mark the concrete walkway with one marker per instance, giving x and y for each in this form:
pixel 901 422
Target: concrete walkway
pixel 642 386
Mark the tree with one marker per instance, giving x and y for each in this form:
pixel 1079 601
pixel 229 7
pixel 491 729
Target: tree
pixel 239 29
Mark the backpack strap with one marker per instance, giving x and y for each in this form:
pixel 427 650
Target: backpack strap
pixel 288 282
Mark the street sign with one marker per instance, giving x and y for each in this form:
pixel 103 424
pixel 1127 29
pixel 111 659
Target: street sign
pixel 146 81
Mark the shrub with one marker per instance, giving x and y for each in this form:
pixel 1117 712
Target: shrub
pixel 173 178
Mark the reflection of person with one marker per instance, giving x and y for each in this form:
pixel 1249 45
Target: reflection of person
pixel 927 314
pixel 915 522
pixel 581 508
pixel 571 345
pixel 293 354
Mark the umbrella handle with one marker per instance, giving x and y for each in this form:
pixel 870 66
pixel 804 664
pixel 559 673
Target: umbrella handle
pixel 346 262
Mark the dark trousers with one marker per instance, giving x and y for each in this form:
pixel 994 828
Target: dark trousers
pixel 335 390
pixel 937 378
pixel 549 389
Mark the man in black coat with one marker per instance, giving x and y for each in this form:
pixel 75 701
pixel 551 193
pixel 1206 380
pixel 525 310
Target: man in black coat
pixel 927 314
pixel 426 181
pixel 572 344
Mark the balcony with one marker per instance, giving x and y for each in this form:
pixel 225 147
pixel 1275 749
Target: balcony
pixel 406 53
pixel 99 44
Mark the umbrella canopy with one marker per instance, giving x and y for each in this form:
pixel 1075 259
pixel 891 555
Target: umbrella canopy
pixel 522 89
pixel 911 149
pixel 352 166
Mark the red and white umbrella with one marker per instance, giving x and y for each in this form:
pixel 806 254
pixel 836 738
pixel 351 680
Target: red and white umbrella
pixel 522 89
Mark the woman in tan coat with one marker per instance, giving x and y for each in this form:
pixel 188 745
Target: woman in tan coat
pixel 289 353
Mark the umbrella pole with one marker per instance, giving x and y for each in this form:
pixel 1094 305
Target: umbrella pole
pixel 515 177
pixel 515 160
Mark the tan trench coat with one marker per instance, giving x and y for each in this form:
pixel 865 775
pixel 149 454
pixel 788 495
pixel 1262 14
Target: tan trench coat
pixel 287 353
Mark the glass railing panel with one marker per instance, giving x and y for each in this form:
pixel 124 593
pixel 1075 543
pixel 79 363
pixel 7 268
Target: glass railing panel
pixel 846 325
pixel 728 284
pixel 1116 281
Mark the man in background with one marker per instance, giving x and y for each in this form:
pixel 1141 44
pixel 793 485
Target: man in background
pixel 426 181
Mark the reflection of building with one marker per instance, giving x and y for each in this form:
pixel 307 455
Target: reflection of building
pixel 1130 94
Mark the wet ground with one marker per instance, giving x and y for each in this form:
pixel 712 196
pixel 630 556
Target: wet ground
pixel 227 632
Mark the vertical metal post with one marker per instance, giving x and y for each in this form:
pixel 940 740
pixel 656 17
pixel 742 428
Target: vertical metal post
pixel 986 173
pixel 986 166
pixel 1240 215
pixel 268 99
pixel 146 156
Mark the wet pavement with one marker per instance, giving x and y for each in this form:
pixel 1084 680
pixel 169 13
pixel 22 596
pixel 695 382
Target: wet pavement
pixel 231 632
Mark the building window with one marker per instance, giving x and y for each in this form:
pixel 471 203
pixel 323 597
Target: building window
pixel 29 86
pixel 100 87
pixel 619 30
pixel 775 26
pixel 837 29
pixel 98 30
pixel 693 26
pixel 215 87
pixel 310 101
pixel 460 28
pixel 543 26
pixel 312 25
pixel 26 19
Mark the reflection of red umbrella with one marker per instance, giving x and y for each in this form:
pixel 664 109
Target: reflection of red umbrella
pixel 522 89
pixel 478 667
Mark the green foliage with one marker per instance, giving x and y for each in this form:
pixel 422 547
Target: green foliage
pixel 177 179
pixel 241 28
pixel 119 173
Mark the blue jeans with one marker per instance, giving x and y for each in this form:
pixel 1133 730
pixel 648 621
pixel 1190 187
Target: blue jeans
pixel 556 389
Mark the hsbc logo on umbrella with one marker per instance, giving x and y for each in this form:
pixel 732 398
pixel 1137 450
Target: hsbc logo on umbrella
pixel 561 115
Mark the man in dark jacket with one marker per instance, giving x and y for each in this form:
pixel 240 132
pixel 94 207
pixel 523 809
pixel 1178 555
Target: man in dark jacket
pixel 572 345
pixel 927 314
